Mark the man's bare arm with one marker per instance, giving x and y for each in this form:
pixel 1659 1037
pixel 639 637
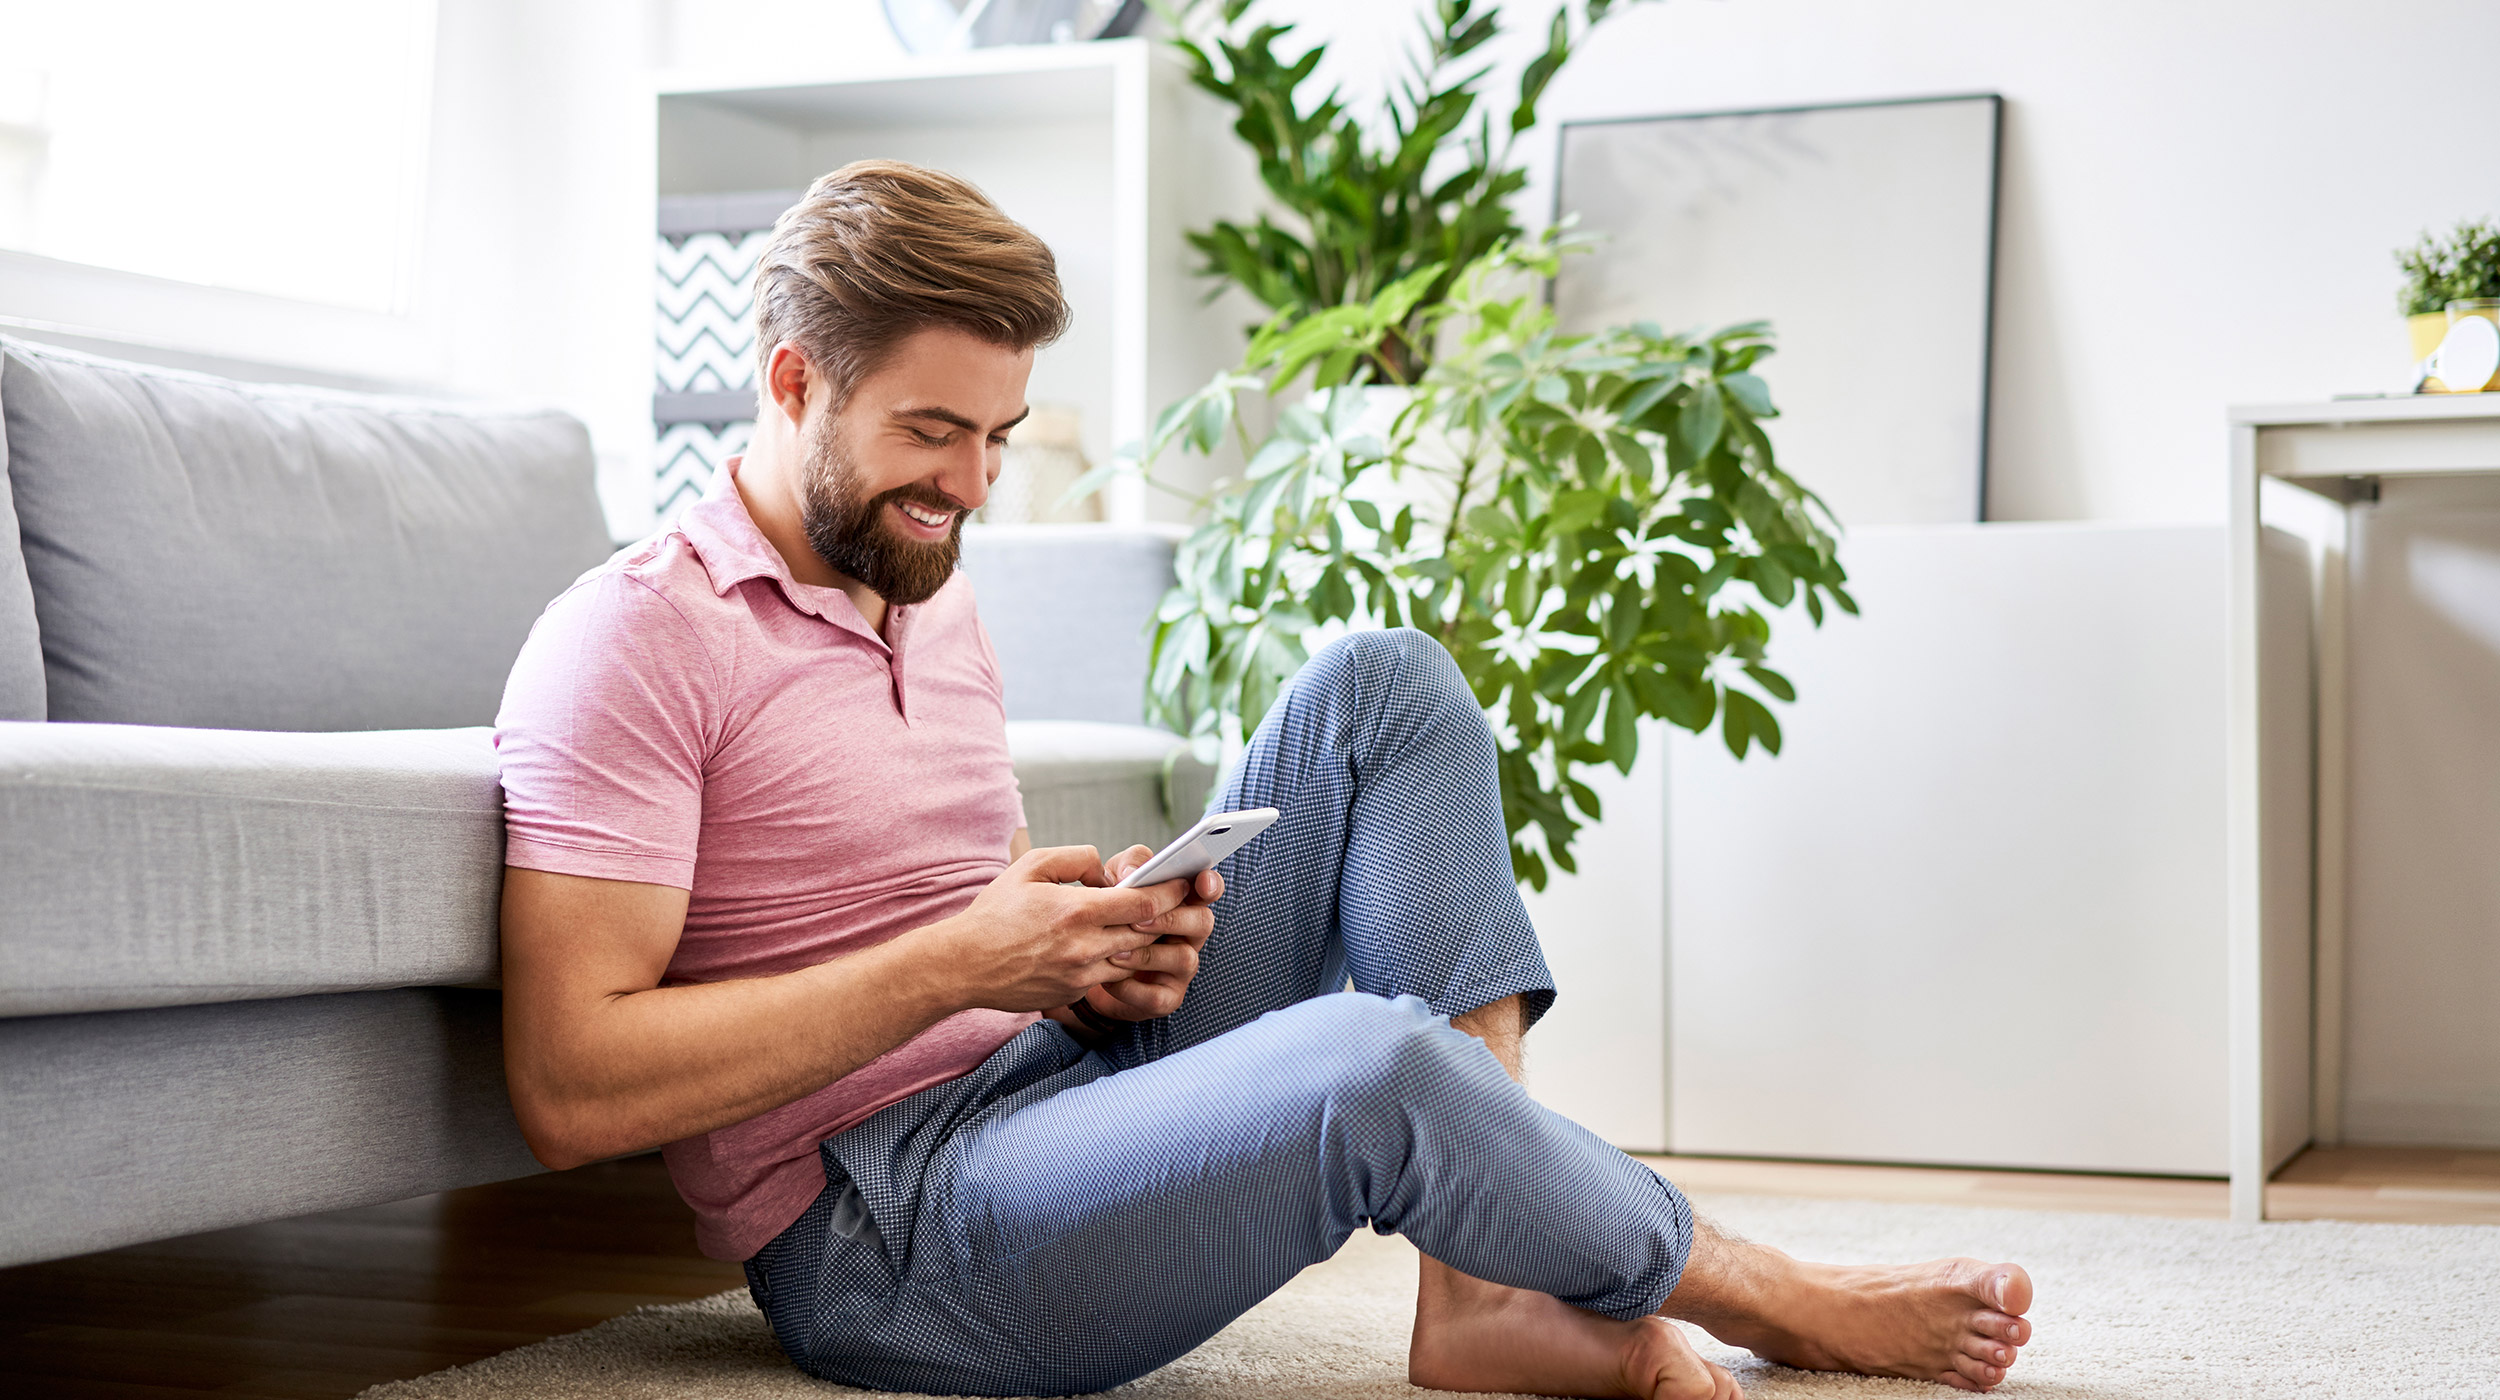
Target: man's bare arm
pixel 602 1060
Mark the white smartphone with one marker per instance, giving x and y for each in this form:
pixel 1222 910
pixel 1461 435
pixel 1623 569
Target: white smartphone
pixel 1200 847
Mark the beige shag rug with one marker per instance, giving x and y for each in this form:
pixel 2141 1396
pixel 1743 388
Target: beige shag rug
pixel 2128 1307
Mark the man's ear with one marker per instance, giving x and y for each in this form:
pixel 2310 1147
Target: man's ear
pixel 786 379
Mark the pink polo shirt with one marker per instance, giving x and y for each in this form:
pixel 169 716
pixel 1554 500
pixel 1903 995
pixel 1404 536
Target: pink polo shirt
pixel 688 714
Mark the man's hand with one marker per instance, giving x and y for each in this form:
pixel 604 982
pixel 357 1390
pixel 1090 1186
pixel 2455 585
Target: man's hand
pixel 1031 942
pixel 1157 975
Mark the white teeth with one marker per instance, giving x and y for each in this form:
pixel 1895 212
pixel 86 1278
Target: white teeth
pixel 925 517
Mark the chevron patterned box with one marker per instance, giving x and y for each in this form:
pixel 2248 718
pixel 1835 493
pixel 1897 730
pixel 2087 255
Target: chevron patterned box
pixel 703 395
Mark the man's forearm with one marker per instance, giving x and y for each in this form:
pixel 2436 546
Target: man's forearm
pixel 637 1069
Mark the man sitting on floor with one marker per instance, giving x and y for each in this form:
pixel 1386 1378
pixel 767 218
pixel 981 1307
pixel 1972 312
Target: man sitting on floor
pixel 977 1122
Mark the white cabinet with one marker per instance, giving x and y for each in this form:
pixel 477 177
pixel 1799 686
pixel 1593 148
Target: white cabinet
pixel 2364 987
pixel 1973 913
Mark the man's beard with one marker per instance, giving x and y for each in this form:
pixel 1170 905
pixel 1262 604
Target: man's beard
pixel 850 534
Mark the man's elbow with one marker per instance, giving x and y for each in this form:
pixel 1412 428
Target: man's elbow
pixel 562 1135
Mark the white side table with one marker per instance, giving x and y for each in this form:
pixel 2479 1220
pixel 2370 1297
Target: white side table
pixel 2290 779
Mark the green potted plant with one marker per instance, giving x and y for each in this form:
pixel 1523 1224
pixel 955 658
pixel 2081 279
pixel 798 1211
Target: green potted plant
pixel 1595 526
pixel 2463 267
pixel 1365 206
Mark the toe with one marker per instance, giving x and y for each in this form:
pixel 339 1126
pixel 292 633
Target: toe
pixel 1988 1349
pixel 1979 1373
pixel 2001 1327
pixel 2009 1289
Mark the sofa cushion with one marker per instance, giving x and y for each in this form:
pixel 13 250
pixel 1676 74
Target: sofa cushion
pixel 166 867
pixel 1108 786
pixel 21 651
pixel 246 556
pixel 1067 607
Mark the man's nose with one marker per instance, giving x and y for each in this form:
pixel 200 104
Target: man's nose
pixel 965 479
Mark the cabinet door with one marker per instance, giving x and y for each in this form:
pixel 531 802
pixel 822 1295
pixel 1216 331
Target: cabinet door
pixel 1973 913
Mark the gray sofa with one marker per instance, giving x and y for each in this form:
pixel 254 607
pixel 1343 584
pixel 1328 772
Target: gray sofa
pixel 250 830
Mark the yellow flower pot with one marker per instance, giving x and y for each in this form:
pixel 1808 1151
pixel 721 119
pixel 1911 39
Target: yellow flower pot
pixel 2427 329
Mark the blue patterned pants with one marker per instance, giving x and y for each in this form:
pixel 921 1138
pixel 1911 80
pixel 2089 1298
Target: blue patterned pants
pixel 1062 1220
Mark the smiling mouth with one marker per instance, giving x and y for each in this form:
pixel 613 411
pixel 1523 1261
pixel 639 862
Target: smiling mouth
pixel 925 516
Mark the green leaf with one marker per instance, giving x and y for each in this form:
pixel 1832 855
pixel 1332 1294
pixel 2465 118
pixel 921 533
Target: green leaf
pixel 1591 455
pixel 1208 421
pixel 1773 682
pixel 1735 723
pixel 1644 397
pixel 1365 512
pixel 1623 735
pixel 1581 709
pixel 1757 722
pixel 1492 522
pixel 1584 798
pixel 1776 583
pixel 1751 394
pixel 1698 427
pixel 1576 510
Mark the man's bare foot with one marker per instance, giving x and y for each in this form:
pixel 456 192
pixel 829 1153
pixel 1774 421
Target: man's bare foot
pixel 1958 1321
pixel 1478 1336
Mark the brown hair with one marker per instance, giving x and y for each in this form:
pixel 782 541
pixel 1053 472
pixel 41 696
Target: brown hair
pixel 878 250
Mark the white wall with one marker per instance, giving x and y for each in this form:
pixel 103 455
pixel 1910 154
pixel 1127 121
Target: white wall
pixel 537 262
pixel 533 276
pixel 2199 199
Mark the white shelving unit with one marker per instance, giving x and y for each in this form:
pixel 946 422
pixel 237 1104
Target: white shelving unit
pixel 2363 851
pixel 1103 149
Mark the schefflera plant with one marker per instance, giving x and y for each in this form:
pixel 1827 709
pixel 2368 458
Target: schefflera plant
pixel 1595 526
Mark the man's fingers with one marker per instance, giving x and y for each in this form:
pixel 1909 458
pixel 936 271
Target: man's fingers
pixel 1178 959
pixel 1209 887
pixel 1138 999
pixel 1134 906
pixel 1191 923
pixel 1060 864
pixel 1120 865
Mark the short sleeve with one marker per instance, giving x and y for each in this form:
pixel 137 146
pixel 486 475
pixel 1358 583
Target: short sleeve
pixel 606 726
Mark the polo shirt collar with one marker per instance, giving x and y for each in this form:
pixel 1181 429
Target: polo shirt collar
pixel 733 550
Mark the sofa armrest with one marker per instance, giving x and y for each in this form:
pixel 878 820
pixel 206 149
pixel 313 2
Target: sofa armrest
pixel 162 867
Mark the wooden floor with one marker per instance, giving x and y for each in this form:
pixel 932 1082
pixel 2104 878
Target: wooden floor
pixel 327 1305
pixel 2425 1186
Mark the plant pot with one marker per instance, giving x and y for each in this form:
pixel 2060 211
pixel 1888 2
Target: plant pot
pixel 2426 329
pixel 2468 358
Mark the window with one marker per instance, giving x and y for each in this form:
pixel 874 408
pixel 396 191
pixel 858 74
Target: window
pixel 272 146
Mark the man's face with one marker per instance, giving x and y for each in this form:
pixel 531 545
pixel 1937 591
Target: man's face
pixel 890 478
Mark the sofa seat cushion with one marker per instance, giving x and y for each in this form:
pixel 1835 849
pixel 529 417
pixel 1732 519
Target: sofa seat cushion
pixel 1109 786
pixel 166 867
pixel 209 553
pixel 169 867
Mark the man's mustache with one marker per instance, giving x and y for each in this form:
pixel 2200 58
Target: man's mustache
pixel 920 494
